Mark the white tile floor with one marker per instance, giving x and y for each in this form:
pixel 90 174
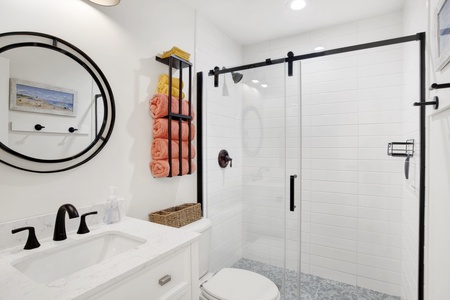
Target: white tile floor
pixel 312 287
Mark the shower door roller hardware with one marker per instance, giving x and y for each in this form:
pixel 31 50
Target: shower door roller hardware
pixel 224 159
pixel 165 280
pixel 435 103
pixel 291 193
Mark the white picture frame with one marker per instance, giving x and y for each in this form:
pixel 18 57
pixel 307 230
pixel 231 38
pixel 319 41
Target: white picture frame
pixel 36 97
pixel 440 30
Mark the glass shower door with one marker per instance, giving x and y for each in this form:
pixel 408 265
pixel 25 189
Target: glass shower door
pixel 270 126
pixel 352 190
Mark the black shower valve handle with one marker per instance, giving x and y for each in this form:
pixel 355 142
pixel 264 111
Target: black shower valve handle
pixel 224 158
pixel 230 160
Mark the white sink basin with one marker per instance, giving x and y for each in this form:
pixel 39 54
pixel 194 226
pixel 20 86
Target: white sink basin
pixel 73 256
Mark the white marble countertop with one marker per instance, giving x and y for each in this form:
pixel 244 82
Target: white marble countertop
pixel 161 241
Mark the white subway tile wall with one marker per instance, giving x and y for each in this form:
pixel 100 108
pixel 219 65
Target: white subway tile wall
pixel 222 128
pixel 352 210
pixel 359 214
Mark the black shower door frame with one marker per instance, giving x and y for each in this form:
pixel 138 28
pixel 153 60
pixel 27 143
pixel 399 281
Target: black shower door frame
pixel 420 37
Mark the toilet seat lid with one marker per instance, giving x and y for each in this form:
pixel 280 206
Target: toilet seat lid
pixel 237 284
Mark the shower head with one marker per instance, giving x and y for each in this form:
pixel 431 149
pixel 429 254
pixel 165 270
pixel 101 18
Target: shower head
pixel 236 77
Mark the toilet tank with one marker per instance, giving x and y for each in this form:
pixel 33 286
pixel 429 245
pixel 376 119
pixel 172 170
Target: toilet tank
pixel 202 226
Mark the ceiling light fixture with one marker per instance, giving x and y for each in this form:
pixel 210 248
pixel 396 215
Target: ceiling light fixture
pixel 105 2
pixel 264 85
pixel 319 48
pixel 297 4
pixel 255 80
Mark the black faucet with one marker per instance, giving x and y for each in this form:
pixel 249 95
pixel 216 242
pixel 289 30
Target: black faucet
pixel 60 223
pixel 32 241
pixel 82 229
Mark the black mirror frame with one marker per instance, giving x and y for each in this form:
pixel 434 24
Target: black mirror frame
pixel 31 164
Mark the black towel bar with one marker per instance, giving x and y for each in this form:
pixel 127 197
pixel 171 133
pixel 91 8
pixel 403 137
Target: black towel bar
pixel 435 102
pixel 436 86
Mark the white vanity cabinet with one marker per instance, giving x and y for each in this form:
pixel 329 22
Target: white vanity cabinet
pixel 172 278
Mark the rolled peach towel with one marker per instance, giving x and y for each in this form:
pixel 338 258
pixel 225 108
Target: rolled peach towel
pixel 160 149
pixel 160 168
pixel 159 106
pixel 161 129
pixel 186 166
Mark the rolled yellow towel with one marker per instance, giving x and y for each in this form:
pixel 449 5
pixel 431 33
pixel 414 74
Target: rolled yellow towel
pixel 164 89
pixel 164 79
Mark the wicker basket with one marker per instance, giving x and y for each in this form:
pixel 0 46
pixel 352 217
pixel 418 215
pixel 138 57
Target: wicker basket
pixel 177 216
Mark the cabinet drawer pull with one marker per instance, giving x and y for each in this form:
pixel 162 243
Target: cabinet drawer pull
pixel 166 279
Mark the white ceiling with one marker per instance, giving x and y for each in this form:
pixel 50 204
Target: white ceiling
pixel 252 21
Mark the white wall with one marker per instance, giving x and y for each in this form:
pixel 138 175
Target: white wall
pixel 437 264
pixel 123 41
pixel 222 114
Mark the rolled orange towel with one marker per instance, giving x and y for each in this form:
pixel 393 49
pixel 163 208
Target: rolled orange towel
pixel 159 106
pixel 160 149
pixel 185 166
pixel 160 168
pixel 161 129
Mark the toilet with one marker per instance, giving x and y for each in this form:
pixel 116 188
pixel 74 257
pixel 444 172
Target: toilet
pixel 228 283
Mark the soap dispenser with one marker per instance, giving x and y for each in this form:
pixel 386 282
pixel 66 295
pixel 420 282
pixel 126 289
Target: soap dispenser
pixel 112 214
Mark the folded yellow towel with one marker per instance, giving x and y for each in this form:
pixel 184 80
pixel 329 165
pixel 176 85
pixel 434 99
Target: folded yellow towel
pixel 164 89
pixel 164 79
pixel 177 52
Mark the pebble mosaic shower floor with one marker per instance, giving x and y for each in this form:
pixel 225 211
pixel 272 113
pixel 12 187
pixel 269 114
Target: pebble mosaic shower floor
pixel 313 287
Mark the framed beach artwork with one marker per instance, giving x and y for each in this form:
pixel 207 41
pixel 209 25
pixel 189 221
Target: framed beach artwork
pixel 41 98
pixel 441 34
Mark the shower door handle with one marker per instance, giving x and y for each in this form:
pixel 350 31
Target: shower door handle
pixel 291 193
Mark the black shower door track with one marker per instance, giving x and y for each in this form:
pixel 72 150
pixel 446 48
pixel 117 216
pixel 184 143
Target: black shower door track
pixel 410 38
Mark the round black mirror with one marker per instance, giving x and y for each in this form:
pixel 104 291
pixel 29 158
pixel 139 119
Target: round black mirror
pixel 56 107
